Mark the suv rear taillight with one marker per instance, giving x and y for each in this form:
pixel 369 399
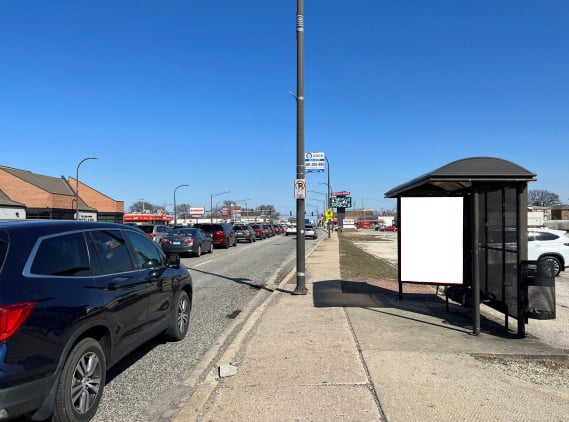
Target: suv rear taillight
pixel 12 317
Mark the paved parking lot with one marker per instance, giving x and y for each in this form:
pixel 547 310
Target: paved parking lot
pixel 552 332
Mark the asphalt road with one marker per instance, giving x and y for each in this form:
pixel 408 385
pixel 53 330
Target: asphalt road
pixel 155 378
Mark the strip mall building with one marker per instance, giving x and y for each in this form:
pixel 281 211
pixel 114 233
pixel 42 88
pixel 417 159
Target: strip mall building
pixel 26 195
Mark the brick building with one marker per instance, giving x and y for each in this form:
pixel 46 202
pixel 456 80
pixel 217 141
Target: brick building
pixel 24 194
pixel 560 212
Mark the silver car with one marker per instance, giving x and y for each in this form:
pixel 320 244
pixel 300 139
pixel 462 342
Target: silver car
pixel 310 231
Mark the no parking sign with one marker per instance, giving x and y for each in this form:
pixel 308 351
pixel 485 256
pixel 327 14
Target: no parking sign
pixel 300 189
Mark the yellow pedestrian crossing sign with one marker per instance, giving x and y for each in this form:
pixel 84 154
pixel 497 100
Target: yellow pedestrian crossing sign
pixel 329 214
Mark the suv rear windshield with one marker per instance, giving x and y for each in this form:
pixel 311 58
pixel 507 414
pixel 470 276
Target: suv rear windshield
pixel 146 229
pixel 211 227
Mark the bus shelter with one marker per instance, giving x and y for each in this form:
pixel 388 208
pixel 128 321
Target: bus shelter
pixel 464 226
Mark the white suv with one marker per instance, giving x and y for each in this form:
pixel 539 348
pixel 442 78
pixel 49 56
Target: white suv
pixel 550 246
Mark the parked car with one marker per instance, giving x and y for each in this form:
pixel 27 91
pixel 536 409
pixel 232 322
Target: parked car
pixel 259 232
pixel 549 246
pixel 310 231
pixel 389 229
pixel 244 232
pixel 155 232
pixel 365 224
pixel 268 230
pixel 187 241
pixel 290 230
pixel 76 297
pixel 222 234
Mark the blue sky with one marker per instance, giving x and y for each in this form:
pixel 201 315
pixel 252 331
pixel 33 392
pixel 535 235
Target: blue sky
pixel 197 92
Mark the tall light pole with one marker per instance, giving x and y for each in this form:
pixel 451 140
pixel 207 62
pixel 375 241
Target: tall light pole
pixel 328 163
pixel 300 166
pixel 142 205
pixel 211 203
pixel 175 212
pixel 77 185
pixel 328 202
pixel 325 202
pixel 241 201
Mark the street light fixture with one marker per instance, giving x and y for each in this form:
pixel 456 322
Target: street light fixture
pixel 77 185
pixel 175 213
pixel 211 203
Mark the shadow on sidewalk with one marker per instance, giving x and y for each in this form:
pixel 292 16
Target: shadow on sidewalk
pixel 422 303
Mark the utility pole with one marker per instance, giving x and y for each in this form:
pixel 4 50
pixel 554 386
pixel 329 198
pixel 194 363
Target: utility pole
pixel 329 223
pixel 300 170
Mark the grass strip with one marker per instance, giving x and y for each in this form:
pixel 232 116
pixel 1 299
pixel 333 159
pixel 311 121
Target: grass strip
pixel 355 263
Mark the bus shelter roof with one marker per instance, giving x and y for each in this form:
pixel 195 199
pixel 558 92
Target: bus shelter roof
pixel 458 176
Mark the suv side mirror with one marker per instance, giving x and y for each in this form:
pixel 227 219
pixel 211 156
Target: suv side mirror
pixel 173 261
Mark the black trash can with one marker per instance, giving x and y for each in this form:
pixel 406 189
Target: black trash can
pixel 538 287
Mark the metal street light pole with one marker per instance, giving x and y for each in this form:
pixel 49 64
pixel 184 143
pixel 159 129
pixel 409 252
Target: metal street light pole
pixel 300 166
pixel 328 202
pixel 211 203
pixel 142 205
pixel 241 201
pixel 325 203
pixel 328 163
pixel 175 211
pixel 77 185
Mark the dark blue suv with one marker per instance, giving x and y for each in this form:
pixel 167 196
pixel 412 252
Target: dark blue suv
pixel 75 298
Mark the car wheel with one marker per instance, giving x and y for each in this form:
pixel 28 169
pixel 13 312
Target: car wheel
pixel 81 384
pixel 211 248
pixel 551 262
pixel 227 244
pixel 250 240
pixel 180 318
pixel 199 252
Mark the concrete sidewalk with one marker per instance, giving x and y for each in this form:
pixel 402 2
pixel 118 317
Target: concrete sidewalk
pixel 351 351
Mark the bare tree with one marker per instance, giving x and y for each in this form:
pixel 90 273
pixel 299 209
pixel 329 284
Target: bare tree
pixel 266 209
pixel 542 198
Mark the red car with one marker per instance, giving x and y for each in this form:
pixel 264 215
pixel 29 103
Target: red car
pixel 259 231
pixel 389 229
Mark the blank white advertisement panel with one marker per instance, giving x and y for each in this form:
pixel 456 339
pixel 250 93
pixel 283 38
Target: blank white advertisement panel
pixel 431 240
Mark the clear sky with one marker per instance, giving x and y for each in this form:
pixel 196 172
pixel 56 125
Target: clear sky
pixel 197 92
